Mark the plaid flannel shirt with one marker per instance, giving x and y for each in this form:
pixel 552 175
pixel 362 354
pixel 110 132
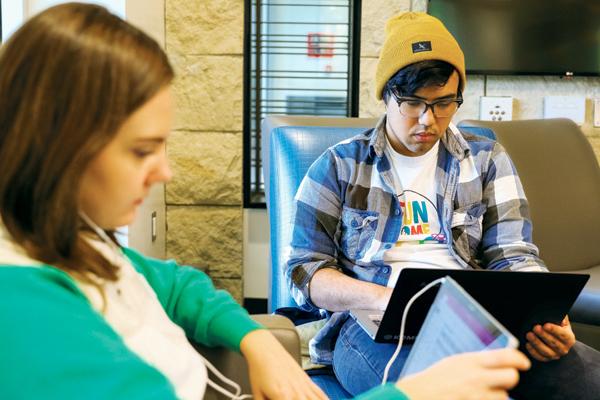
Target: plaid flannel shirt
pixel 347 215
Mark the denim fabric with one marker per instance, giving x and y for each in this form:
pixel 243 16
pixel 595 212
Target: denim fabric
pixel 330 386
pixel 359 362
pixel 575 376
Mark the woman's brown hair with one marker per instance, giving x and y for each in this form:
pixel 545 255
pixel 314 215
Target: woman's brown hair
pixel 69 78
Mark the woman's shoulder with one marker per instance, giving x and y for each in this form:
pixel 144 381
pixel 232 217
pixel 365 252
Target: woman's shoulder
pixel 31 281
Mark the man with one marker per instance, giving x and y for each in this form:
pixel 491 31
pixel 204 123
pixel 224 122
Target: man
pixel 414 192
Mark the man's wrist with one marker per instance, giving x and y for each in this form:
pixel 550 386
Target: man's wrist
pixel 384 298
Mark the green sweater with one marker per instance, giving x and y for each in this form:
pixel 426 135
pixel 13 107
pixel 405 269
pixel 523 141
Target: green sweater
pixel 54 345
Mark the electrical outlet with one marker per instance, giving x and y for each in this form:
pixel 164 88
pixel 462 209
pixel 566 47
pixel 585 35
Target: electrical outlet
pixel 572 107
pixel 496 108
pixel 597 113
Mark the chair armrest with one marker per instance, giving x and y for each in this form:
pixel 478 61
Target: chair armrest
pixel 233 365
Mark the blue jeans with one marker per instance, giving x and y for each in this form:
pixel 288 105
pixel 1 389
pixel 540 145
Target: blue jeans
pixel 358 363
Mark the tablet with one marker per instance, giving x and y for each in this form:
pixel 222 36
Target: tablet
pixel 456 323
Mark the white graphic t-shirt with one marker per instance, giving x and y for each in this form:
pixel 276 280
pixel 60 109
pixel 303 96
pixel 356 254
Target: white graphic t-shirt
pixel 421 243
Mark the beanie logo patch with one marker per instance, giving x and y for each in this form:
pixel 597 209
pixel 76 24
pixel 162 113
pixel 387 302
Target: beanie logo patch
pixel 419 47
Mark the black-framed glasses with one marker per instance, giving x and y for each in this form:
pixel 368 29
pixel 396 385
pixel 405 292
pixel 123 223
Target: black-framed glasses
pixel 413 108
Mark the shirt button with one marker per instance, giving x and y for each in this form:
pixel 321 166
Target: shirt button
pixel 386 270
pixel 388 246
pixel 397 212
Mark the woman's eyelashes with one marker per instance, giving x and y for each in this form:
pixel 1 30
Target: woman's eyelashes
pixel 143 152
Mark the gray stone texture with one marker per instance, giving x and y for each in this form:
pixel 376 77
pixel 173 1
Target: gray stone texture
pixel 206 237
pixel 207 168
pixel 208 92
pixel 205 26
pixel 374 15
pixel 204 39
pixel 369 106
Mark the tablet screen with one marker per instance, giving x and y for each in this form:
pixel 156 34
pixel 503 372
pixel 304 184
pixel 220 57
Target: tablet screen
pixel 455 323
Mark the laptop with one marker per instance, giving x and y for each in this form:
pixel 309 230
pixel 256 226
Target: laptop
pixel 456 323
pixel 519 300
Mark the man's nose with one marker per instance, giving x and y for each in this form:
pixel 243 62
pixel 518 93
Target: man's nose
pixel 427 118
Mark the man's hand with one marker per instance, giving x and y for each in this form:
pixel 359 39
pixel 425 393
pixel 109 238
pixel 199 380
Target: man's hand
pixel 274 374
pixel 550 341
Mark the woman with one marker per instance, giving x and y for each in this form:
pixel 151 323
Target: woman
pixel 86 110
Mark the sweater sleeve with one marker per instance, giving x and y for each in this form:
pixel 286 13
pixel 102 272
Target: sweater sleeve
pixel 387 391
pixel 53 345
pixel 207 315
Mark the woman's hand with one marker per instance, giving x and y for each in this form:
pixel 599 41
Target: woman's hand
pixel 274 374
pixel 485 375
pixel 550 341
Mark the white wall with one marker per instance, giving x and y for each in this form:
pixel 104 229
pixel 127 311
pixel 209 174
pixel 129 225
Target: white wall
pixel 149 16
pixel 256 253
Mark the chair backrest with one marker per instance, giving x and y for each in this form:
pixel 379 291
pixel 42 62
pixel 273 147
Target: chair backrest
pixel 561 178
pixel 290 144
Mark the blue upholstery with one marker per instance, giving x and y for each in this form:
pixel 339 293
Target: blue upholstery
pixel 291 151
pixel 479 131
pixel 290 144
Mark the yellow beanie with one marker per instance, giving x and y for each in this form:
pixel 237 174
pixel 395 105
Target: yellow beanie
pixel 411 37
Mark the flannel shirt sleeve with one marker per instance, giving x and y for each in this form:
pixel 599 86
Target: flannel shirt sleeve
pixel 507 229
pixel 317 212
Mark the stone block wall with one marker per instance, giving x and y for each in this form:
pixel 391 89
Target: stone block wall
pixel 204 40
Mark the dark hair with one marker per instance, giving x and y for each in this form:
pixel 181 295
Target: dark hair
pixel 415 76
pixel 69 78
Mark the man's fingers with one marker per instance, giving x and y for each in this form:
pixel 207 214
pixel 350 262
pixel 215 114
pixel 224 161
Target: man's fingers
pixel 540 346
pixel 556 343
pixel 536 354
pixel 563 334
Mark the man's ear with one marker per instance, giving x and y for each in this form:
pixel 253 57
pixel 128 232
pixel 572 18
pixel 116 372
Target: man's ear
pixel 385 98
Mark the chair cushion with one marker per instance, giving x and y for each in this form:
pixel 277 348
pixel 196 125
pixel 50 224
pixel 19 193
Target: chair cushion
pixel 587 307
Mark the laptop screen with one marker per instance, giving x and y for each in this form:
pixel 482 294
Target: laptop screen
pixel 455 323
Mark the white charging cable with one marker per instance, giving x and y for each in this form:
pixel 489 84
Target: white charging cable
pixel 401 338
pixel 238 390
